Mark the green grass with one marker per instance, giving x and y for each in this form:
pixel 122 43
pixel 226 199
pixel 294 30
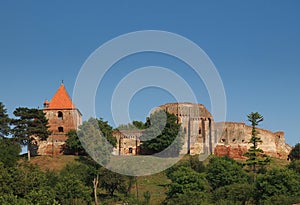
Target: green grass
pixel 155 184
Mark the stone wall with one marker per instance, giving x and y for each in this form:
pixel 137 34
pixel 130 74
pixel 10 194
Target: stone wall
pixel 233 140
pixel 128 142
pixel 203 136
pixel 197 123
pixel 61 121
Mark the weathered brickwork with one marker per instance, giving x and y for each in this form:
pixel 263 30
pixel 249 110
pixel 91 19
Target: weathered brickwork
pixel 201 134
pixel 62 116
pixel 204 136
pixel 128 142
pixel 233 140
pixel 197 124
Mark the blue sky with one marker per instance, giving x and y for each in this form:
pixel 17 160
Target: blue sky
pixel 255 46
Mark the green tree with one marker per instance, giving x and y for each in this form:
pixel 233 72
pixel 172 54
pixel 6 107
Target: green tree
pixel 71 190
pixel 73 143
pixel 95 143
pixel 281 199
pixel 196 164
pixel 162 132
pixel 73 184
pixel 295 165
pixel 277 182
pixel 107 131
pixel 9 151
pixel 30 123
pixel 135 125
pixel 223 171
pixel 295 152
pixel 5 179
pixel 187 187
pixel 10 199
pixel 112 181
pixel 256 157
pixel 45 195
pixel 27 178
pixel 4 122
pixel 238 193
pixel 139 124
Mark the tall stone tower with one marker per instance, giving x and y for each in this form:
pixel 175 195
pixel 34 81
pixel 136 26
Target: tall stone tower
pixel 197 124
pixel 62 116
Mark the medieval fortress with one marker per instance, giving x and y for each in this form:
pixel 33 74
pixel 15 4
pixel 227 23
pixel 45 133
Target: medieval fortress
pixel 201 133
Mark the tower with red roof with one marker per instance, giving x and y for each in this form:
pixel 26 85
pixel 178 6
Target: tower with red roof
pixel 62 116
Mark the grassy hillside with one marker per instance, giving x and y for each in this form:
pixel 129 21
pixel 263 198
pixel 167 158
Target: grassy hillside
pixel 156 184
pixel 55 163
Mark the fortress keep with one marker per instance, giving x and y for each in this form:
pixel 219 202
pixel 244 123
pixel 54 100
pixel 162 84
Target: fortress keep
pixel 62 116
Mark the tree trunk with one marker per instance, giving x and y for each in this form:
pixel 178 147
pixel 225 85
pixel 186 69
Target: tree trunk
pixel 137 188
pixel 95 183
pixel 254 171
pixel 28 151
pixel 130 184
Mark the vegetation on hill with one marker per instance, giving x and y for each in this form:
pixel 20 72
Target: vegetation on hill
pixel 218 180
pixel 79 180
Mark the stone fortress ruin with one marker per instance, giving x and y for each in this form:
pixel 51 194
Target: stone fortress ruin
pixel 201 134
pixel 204 136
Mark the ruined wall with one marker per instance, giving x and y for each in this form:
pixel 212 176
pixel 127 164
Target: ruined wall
pixel 128 142
pixel 233 141
pixel 197 123
pixel 203 136
pixel 61 121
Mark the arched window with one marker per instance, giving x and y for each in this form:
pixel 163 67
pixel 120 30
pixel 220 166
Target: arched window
pixel 60 129
pixel 60 115
pixel 199 131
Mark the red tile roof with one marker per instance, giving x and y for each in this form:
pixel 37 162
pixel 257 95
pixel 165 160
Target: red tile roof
pixel 61 99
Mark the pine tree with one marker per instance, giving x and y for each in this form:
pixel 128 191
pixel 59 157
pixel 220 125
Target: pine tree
pixel 30 123
pixel 4 122
pixel 256 156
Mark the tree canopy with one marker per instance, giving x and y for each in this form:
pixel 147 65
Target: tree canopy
pixel 73 143
pixel 276 182
pixel 107 131
pixel 4 121
pixel 30 123
pixel 222 171
pixel 9 151
pixel 255 155
pixel 295 152
pixel 161 133
pixel 187 187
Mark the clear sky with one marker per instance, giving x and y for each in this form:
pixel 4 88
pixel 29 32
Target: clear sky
pixel 255 46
